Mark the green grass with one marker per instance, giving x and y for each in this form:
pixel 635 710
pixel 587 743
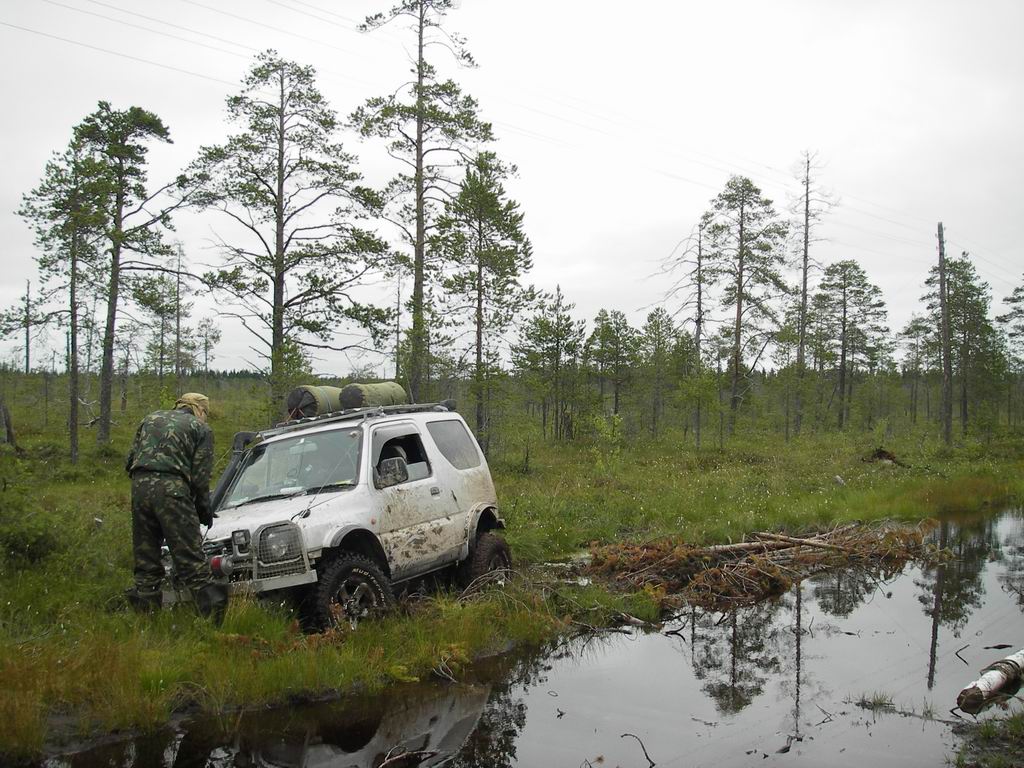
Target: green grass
pixel 655 489
pixel 877 701
pixel 68 647
pixel 994 743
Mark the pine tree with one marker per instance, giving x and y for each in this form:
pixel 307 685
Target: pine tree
pixel 915 340
pixel 856 312
pixel 548 357
pixel 481 237
pixel 67 213
pixel 656 344
pixel 119 140
pixel 429 126
pixel 811 205
pixel 291 191
pixel 976 356
pixel 208 334
pixel 1013 325
pixel 692 283
pixel 746 237
pixel 611 350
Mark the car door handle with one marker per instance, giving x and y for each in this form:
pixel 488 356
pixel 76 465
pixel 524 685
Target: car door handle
pixel 435 491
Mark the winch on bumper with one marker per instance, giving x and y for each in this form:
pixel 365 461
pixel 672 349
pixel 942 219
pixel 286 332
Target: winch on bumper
pixel 278 560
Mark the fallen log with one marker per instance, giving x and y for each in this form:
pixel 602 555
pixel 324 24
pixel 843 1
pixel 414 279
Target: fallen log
pixel 794 541
pixel 765 565
pixel 997 682
pixel 745 546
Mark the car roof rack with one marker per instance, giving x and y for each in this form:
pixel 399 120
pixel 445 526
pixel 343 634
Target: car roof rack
pixel 366 411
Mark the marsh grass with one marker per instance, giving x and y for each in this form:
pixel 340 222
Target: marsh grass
pixel 876 701
pixel 68 647
pixel 992 743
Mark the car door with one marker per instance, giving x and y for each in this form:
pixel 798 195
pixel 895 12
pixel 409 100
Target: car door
pixel 417 516
pixel 461 467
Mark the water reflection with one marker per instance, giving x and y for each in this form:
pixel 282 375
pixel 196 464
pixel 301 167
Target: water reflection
pixel 1013 577
pixel 735 655
pixel 434 721
pixel 716 689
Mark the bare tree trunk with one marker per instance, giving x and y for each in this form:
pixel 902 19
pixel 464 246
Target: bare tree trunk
pixel 124 383
pixel 698 328
pixel 177 328
pixel 947 363
pixel 6 427
pixel 28 324
pixel 842 364
pixel 478 371
pixel 802 323
pixel 964 367
pixel 277 340
pixel 113 291
pixel 737 348
pixel 73 385
pixel 417 356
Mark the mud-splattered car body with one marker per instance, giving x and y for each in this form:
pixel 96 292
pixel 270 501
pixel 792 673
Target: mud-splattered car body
pixel 407 488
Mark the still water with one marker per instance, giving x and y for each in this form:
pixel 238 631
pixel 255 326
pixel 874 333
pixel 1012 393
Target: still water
pixel 777 683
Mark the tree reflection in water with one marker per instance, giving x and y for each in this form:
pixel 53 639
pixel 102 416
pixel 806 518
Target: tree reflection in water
pixel 735 655
pixel 952 590
pixel 1013 552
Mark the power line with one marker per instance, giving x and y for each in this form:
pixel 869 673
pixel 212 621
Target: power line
pixel 265 26
pixel 719 164
pixel 327 72
pixel 522 131
pixel 173 26
pixel 116 53
pixel 147 29
pixel 311 15
pixel 723 164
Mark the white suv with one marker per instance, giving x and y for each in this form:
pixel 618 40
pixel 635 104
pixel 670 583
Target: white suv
pixel 341 507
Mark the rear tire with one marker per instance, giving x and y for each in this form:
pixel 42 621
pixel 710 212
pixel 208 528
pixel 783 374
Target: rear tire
pixel 350 588
pixel 491 553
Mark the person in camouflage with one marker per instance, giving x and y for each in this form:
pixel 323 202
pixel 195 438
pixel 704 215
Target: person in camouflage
pixel 170 465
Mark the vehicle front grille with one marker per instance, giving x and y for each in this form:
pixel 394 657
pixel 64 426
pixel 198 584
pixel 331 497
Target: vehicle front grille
pixel 280 552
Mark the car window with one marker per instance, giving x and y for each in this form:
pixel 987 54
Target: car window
pixel 303 463
pixel 404 442
pixel 455 443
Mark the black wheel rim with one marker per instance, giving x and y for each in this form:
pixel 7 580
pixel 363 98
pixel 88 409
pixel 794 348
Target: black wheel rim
pixel 354 601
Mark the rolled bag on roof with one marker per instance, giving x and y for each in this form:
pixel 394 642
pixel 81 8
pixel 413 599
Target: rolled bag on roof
pixel 311 400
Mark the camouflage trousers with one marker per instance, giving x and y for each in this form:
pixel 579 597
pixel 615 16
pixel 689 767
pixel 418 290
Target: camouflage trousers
pixel 162 510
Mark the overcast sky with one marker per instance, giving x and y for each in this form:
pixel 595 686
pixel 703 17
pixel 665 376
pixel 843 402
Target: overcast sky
pixel 624 119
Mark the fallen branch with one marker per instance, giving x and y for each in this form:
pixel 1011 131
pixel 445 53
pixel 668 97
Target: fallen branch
pixel 651 762
pixel 724 576
pixel 793 540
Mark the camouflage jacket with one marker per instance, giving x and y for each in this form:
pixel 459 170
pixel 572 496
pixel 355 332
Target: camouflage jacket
pixel 178 443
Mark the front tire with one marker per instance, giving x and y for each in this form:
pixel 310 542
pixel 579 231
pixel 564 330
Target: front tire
pixel 491 553
pixel 351 588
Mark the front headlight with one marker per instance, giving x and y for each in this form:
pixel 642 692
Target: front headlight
pixel 279 544
pixel 240 539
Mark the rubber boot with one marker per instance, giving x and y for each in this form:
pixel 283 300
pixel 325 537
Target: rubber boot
pixel 211 602
pixel 146 601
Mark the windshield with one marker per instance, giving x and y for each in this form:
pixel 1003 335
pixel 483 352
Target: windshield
pixel 323 461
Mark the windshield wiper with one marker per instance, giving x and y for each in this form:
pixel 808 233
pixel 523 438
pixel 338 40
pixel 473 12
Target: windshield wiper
pixel 268 497
pixel 329 487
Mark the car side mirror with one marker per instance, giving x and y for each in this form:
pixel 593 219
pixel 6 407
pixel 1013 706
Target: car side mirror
pixel 392 472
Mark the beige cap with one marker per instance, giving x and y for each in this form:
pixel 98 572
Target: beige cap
pixel 198 403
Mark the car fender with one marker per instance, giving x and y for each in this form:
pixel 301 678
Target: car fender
pixel 473 522
pixel 368 544
pixel 335 536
